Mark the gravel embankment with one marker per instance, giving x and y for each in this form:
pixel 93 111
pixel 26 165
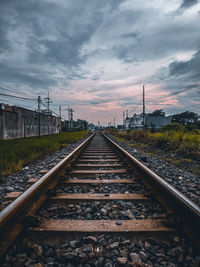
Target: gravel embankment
pixel 103 188
pixel 103 251
pixel 107 176
pixel 17 182
pixel 186 182
pixel 103 210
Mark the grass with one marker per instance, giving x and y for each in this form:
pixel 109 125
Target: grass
pixel 174 139
pixel 14 154
pixel 184 142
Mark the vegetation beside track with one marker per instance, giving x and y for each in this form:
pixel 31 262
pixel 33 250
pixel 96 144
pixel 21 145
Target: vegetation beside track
pixel 174 142
pixel 14 154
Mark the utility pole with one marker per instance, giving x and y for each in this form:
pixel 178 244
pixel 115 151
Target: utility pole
pixel 143 108
pixel 60 112
pixel 60 118
pixel 114 121
pixel 70 116
pixel 123 118
pixel 48 101
pixel 127 113
pixel 39 110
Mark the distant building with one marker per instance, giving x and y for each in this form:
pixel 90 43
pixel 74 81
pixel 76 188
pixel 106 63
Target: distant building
pixel 156 122
pixel 17 122
pixel 136 122
pixel 79 125
pixel 127 123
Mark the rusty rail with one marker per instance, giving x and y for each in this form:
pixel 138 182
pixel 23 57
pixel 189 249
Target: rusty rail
pixel 186 212
pixel 12 217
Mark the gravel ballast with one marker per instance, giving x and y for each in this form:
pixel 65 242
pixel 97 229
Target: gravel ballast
pixel 103 188
pixel 18 181
pixel 103 210
pixel 103 251
pixel 186 182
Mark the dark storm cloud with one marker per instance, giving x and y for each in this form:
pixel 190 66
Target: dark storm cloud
pixel 185 5
pixel 47 34
pixel 189 69
pixel 159 42
pixel 188 3
pixel 28 77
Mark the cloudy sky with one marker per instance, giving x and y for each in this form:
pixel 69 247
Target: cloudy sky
pixel 96 55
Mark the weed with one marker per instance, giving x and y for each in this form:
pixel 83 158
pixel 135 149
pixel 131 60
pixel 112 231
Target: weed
pixel 14 154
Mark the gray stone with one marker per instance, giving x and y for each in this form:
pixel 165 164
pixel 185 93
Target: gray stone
pixel 37 249
pixel 88 248
pixel 135 258
pixel 143 256
pixel 10 188
pixel 113 245
pixel 129 215
pixel 103 211
pixel 91 239
pixel 88 210
pixel 70 255
pixel 122 260
pixel 73 243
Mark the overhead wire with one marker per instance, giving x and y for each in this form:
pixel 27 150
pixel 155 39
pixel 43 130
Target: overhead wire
pixel 14 91
pixel 172 94
pixel 52 110
pixel 19 97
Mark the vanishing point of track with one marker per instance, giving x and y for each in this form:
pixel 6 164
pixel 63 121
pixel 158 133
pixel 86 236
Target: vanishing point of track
pixel 48 211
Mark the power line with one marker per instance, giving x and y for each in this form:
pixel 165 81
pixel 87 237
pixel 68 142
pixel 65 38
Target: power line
pixel 175 93
pixel 52 110
pixel 13 91
pixel 18 97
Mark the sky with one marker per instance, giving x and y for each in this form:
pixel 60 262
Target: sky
pixel 95 56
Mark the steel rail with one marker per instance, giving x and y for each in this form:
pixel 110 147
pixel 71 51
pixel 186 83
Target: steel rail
pixel 12 218
pixel 185 211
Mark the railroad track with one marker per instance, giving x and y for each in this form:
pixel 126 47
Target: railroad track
pixel 99 189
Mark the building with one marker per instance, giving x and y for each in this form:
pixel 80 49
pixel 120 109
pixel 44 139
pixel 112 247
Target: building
pixel 79 125
pixel 151 122
pixel 127 123
pixel 157 122
pixel 17 122
pixel 136 122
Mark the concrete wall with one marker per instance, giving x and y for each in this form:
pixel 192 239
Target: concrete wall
pixel 18 123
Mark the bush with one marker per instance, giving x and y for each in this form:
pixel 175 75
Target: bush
pixel 174 127
pixel 173 137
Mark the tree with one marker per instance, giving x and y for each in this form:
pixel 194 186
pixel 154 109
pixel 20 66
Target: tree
pixel 186 118
pixel 156 113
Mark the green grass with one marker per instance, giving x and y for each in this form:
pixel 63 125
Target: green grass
pixel 179 140
pixel 169 141
pixel 14 154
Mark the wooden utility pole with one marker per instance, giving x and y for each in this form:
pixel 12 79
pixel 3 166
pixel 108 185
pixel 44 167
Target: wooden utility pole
pixel 60 118
pixel 39 110
pixel 60 112
pixel 143 108
pixel 123 118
